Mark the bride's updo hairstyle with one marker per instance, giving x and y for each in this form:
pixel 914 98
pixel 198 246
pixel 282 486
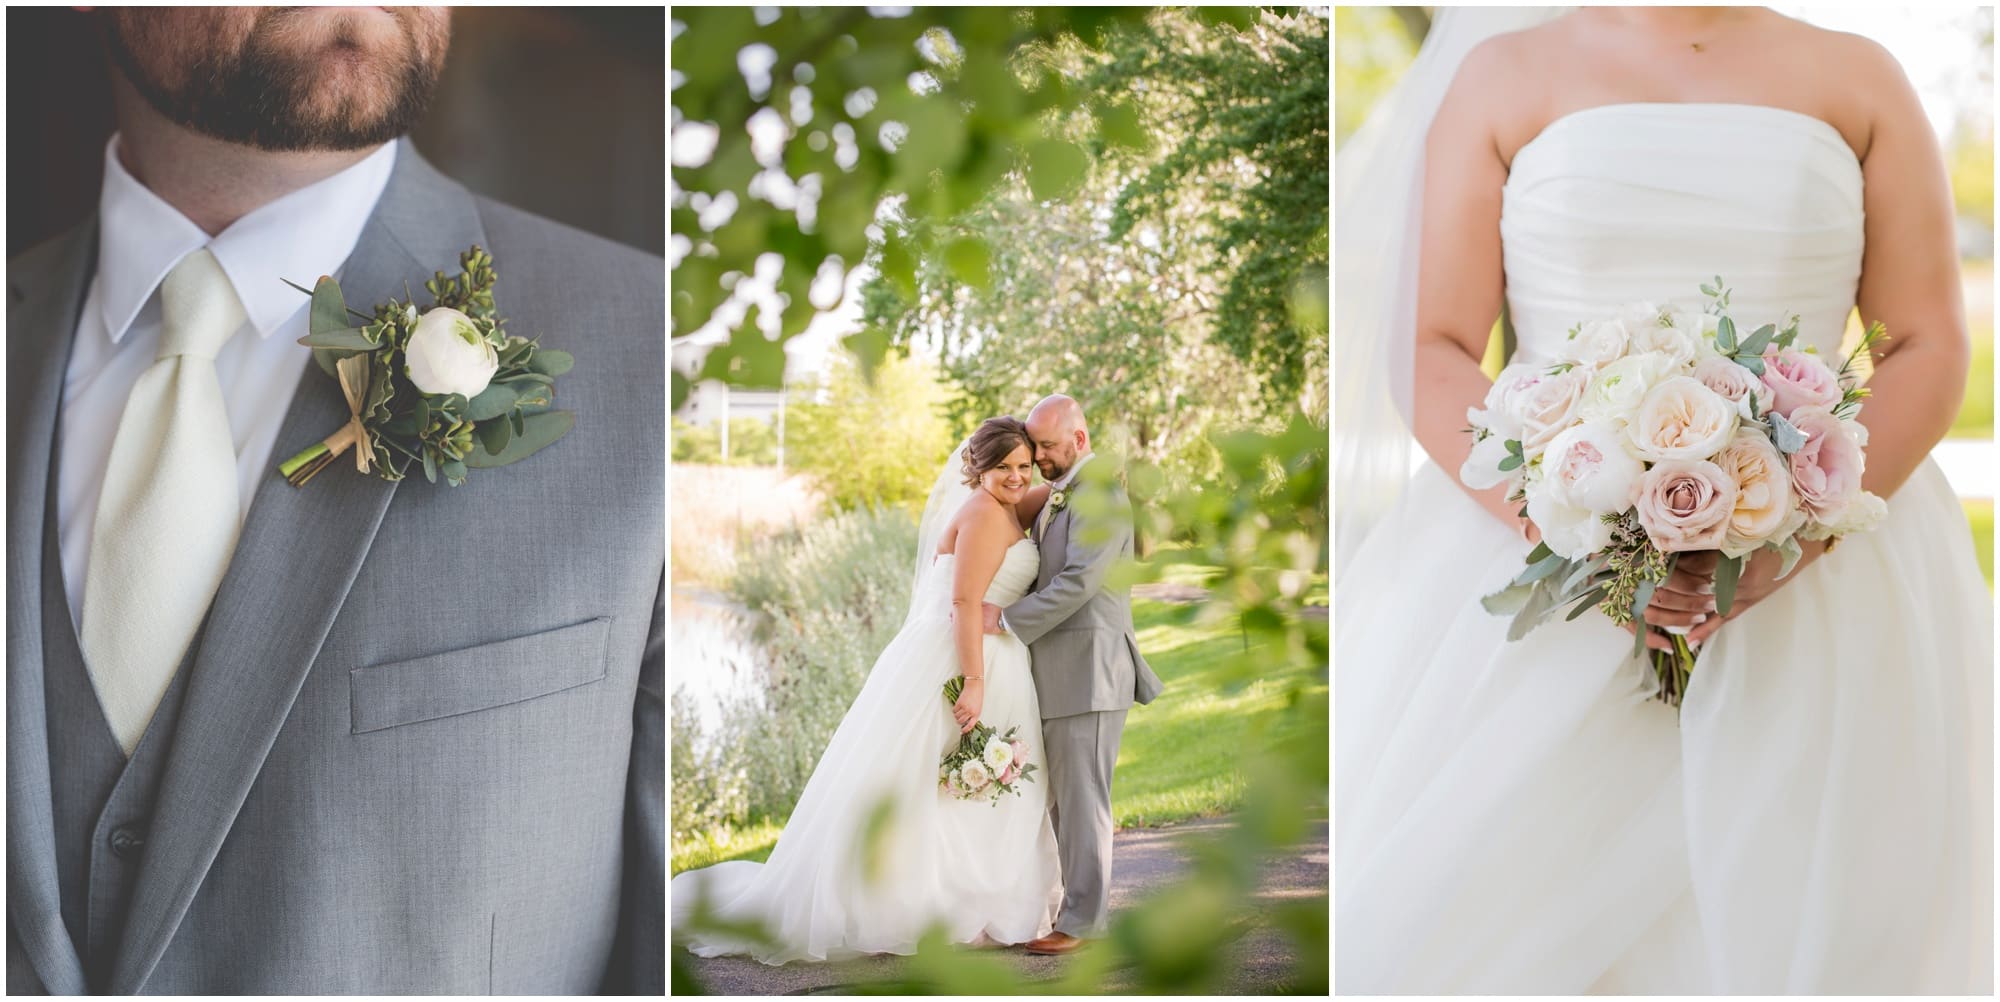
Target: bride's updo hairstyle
pixel 988 447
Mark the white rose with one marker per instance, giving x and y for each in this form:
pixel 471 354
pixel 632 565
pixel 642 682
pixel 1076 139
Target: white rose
pixel 1616 389
pixel 998 753
pixel 1482 468
pixel 446 355
pixel 1681 343
pixel 1589 467
pixel 975 775
pixel 1598 343
pixel 1568 530
pixel 1681 419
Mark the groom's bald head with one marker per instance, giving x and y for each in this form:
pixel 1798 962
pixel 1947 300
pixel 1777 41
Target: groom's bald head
pixel 1061 436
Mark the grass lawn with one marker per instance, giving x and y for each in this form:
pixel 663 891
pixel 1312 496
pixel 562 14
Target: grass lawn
pixel 1179 757
pixel 1979 513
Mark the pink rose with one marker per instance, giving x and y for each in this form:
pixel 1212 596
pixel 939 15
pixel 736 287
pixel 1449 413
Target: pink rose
pixel 1797 380
pixel 1008 776
pixel 1736 384
pixel 1685 504
pixel 1020 753
pixel 1546 406
pixel 1826 471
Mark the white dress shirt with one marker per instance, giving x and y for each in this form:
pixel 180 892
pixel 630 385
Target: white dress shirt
pixel 300 237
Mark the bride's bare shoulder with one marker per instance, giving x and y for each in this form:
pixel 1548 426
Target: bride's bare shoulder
pixel 1497 92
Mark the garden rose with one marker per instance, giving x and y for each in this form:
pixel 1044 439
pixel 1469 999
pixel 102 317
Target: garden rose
pixel 1681 419
pixel 1020 753
pixel 1763 490
pixel 446 355
pixel 1797 379
pixel 1735 384
pixel 1008 776
pixel 1567 530
pixel 997 753
pixel 1826 471
pixel 1497 413
pixel 1598 343
pixel 1546 407
pixel 1588 466
pixel 1680 343
pixel 975 776
pixel 1685 504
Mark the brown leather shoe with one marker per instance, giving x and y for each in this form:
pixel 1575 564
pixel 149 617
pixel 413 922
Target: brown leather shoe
pixel 1054 944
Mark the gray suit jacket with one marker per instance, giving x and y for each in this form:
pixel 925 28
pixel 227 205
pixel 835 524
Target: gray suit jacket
pixel 1078 629
pixel 420 749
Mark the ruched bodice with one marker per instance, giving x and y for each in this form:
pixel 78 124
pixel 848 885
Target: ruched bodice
pixel 1015 577
pixel 1627 202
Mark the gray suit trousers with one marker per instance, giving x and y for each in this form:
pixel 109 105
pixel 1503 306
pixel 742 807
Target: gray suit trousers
pixel 1081 751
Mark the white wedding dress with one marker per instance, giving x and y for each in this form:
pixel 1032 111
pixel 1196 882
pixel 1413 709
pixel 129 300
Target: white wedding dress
pixel 1522 817
pixel 987 872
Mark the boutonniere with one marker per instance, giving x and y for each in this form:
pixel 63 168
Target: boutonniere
pixel 1058 500
pixel 445 388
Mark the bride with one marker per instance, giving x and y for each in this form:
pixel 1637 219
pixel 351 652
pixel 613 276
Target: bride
pixel 1522 817
pixel 875 853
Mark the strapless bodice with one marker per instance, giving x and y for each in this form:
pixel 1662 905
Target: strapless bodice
pixel 1015 577
pixel 1629 202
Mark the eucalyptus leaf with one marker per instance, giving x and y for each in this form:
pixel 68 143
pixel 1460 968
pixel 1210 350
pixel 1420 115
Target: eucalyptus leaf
pixel 1785 435
pixel 1756 342
pixel 344 338
pixel 329 309
pixel 1590 600
pixel 430 466
pixel 551 363
pixel 1539 553
pixel 1755 363
pixel 540 431
pixel 1725 334
pixel 1585 569
pixel 529 377
pixel 1542 568
pixel 496 400
pixel 1789 553
pixel 1727 571
pixel 1509 464
pixel 495 434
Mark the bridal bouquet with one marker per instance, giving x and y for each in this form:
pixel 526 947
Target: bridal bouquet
pixel 1660 431
pixel 985 764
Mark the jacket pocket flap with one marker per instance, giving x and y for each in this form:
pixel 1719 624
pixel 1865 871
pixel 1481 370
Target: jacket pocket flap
pixel 477 678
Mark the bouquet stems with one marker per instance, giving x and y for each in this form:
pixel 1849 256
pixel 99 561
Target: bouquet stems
pixel 1673 669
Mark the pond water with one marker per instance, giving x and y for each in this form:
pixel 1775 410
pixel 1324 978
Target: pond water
pixel 714 660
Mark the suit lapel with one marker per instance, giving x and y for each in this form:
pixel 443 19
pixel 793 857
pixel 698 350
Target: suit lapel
pixel 45 296
pixel 296 559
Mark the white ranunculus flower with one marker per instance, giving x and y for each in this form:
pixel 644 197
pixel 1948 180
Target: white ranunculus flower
pixel 1864 512
pixel 1589 466
pixel 1616 389
pixel 1482 468
pixel 976 776
pixel 446 355
pixel 997 754
pixel 1568 530
pixel 1681 419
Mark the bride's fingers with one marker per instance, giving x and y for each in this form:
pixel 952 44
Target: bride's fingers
pixel 1679 601
pixel 1702 562
pixel 1669 617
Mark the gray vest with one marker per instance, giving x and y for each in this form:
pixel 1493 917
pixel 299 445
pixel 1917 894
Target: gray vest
pixel 101 803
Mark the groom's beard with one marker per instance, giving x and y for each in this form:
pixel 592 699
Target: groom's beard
pixel 298 80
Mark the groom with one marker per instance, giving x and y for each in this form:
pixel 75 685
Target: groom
pixel 1087 667
pixel 351 737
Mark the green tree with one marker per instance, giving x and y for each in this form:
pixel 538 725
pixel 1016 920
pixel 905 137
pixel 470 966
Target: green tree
pixel 870 444
pixel 1241 118
pixel 1371 51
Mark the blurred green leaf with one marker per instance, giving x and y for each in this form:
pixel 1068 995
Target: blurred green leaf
pixel 970 261
pixel 1055 168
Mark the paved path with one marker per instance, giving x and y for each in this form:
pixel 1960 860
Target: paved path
pixel 1147 859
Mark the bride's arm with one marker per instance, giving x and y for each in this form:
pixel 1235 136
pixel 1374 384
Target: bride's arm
pixel 981 546
pixel 1459 287
pixel 1909 280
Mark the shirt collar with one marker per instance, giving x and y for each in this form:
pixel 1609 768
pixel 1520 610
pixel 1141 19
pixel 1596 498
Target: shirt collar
pixel 300 236
pixel 1070 477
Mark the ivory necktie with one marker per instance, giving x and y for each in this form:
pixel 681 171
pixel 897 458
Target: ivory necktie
pixel 167 513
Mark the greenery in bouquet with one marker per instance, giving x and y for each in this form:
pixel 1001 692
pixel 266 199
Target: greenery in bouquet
pixel 985 764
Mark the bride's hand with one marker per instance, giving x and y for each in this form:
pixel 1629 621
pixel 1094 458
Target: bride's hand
pixel 966 710
pixel 1758 581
